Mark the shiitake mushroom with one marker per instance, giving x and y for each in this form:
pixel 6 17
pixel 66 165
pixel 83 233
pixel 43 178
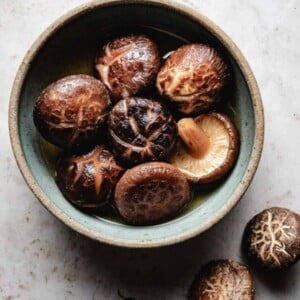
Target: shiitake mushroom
pixel 70 111
pixel 207 149
pixel 141 130
pixel 127 65
pixel 193 78
pixel 272 238
pixel 224 280
pixel 150 193
pixel 88 180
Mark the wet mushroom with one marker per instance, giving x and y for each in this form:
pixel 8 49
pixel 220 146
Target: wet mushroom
pixel 141 130
pixel 127 65
pixel 272 238
pixel 223 279
pixel 150 193
pixel 70 111
pixel 193 78
pixel 88 180
pixel 207 149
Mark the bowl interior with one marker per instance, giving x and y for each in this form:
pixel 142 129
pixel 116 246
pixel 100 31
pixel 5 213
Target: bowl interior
pixel 71 49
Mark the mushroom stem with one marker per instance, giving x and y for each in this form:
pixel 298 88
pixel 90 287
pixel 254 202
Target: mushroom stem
pixel 195 139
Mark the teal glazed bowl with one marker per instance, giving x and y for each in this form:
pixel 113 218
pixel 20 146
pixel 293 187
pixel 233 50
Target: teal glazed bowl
pixel 69 46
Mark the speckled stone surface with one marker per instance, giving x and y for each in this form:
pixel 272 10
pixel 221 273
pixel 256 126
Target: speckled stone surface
pixel 40 258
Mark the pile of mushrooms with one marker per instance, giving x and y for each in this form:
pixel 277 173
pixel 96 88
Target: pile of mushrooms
pixel 127 150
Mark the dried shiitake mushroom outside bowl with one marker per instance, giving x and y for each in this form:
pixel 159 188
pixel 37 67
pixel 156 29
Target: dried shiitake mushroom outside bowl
pixel 69 47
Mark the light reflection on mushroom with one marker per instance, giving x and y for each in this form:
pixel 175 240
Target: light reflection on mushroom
pixel 127 65
pixel 88 180
pixel 70 111
pixel 192 78
pixel 151 192
pixel 141 130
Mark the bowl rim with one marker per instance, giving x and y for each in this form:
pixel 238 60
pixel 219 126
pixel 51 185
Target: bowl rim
pixel 232 49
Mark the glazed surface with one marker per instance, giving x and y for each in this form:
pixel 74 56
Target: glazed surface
pixel 151 192
pixel 192 78
pixel 70 111
pixel 141 130
pixel 88 180
pixel 127 65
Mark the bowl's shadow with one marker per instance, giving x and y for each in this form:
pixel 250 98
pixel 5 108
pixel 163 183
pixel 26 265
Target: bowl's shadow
pixel 148 272
pixel 109 272
pixel 279 281
pixel 166 273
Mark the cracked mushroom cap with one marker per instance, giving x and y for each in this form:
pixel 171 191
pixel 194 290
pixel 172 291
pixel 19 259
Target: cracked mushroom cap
pixel 272 238
pixel 127 65
pixel 192 78
pixel 223 280
pixel 70 111
pixel 207 149
pixel 88 180
pixel 141 130
pixel 150 193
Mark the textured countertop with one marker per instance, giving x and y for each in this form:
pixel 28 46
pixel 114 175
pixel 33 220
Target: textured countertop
pixel 40 258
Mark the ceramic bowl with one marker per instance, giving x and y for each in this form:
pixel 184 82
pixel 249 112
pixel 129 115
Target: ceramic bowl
pixel 69 46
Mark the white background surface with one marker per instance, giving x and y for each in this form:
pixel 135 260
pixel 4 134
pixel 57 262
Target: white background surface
pixel 40 258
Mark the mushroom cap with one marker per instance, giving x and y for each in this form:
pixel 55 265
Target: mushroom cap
pixel 141 130
pixel 223 279
pixel 192 78
pixel 88 180
pixel 272 238
pixel 127 65
pixel 69 112
pixel 150 193
pixel 220 156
